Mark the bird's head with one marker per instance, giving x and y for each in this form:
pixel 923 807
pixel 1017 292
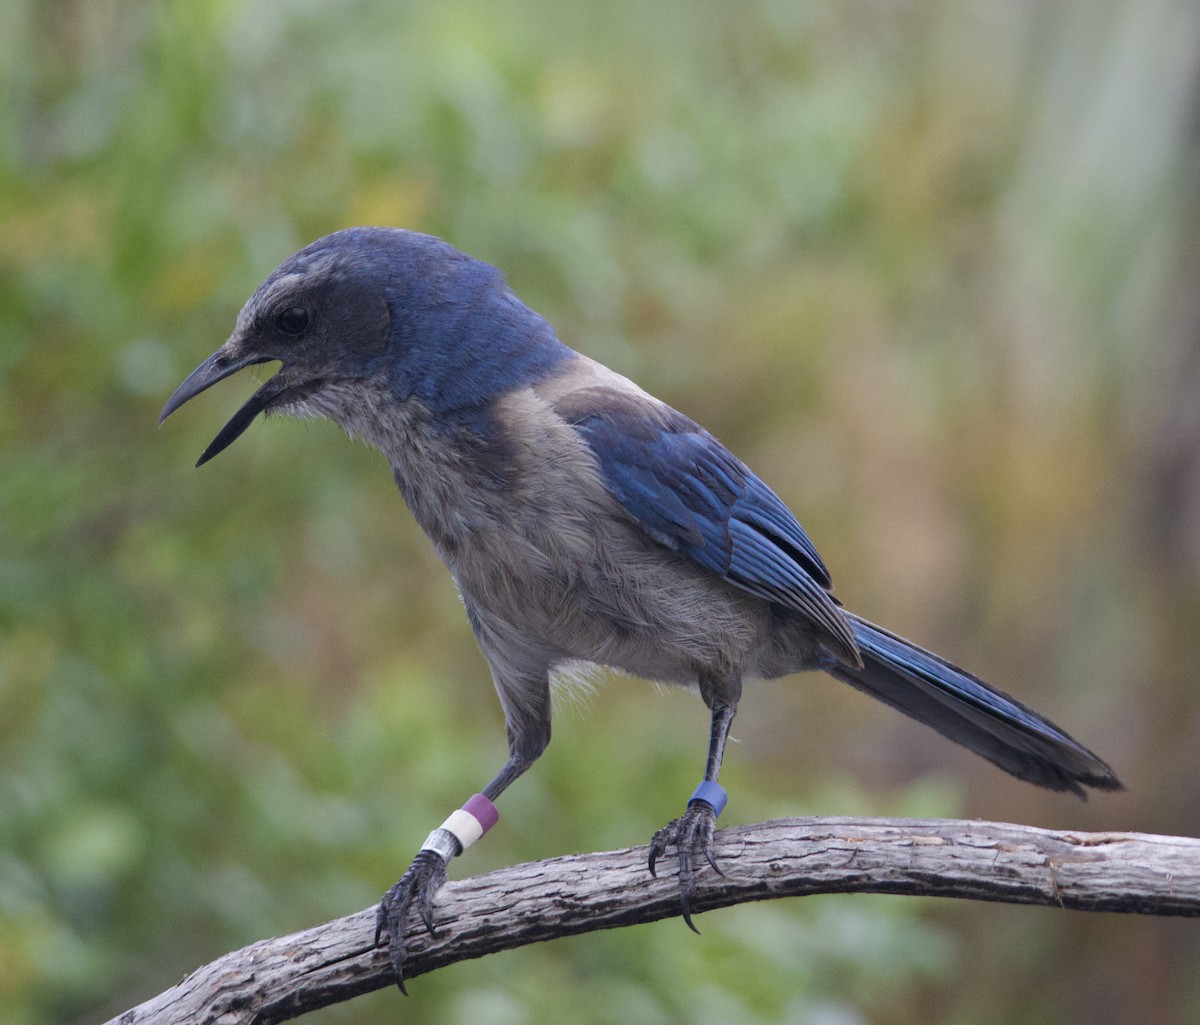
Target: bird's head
pixel 403 313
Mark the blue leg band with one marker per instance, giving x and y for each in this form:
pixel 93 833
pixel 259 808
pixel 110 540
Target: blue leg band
pixel 712 794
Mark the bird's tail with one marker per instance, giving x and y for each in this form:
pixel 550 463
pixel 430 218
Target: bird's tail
pixel 964 709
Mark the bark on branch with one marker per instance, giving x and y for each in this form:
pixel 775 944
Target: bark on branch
pixel 278 979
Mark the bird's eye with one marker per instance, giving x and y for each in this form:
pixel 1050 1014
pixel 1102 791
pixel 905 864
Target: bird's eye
pixel 292 321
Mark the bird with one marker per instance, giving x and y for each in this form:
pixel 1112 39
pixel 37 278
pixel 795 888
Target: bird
pixel 583 521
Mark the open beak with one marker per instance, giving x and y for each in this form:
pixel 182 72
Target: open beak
pixel 217 367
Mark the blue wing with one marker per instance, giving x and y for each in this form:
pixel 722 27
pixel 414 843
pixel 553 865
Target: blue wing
pixel 691 494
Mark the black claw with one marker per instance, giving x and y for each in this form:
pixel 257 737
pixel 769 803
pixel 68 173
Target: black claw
pixel 659 844
pixel 427 918
pixel 691 834
pixel 414 891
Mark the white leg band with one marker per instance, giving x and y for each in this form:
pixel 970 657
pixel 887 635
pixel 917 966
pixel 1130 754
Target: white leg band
pixel 464 827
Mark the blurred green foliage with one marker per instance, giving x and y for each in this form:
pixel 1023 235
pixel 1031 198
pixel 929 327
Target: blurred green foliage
pixel 929 267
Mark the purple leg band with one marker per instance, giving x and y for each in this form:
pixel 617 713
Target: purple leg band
pixel 712 794
pixel 483 810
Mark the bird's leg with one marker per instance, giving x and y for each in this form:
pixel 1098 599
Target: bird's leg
pixel 416 889
pixel 692 832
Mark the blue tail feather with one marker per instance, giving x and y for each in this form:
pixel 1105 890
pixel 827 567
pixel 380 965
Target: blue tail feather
pixel 970 712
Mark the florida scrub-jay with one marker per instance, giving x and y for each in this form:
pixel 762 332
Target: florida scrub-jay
pixel 582 520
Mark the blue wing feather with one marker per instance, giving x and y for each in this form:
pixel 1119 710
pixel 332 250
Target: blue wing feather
pixel 688 492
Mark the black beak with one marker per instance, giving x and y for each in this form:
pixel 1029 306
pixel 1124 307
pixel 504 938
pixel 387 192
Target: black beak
pixel 216 368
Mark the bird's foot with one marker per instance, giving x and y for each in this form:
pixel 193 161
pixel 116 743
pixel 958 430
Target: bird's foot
pixel 415 890
pixel 692 835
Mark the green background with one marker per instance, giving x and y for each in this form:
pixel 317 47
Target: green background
pixel 931 268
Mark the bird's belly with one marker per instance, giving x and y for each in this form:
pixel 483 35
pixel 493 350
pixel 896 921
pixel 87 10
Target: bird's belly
pixel 626 603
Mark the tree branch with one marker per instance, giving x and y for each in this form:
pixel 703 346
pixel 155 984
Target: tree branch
pixel 279 979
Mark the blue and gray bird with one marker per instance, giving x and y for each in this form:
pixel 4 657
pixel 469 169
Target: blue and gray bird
pixel 582 520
